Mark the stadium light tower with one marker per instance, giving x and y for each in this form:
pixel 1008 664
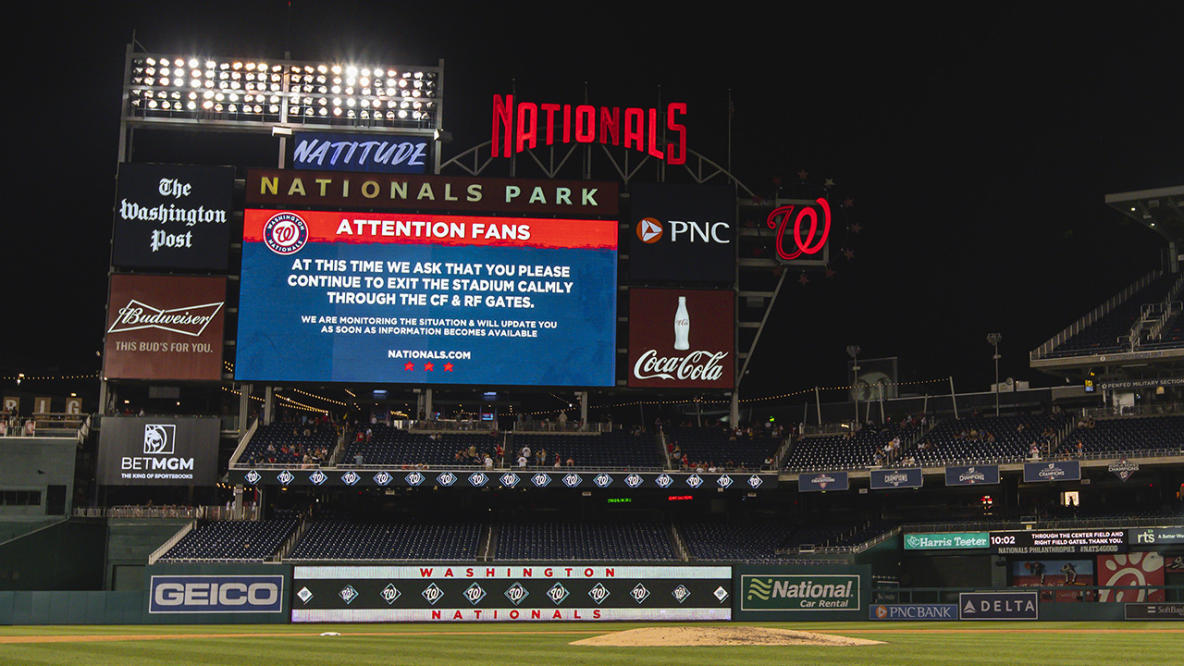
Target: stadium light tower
pixel 994 339
pixel 853 352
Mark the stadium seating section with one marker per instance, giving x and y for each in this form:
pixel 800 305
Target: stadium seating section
pixel 606 449
pixel 1122 435
pixel 392 446
pixel 986 439
pixel 584 541
pixel 847 451
pixel 719 447
pixel 1111 331
pixel 356 540
pixel 232 540
pixel 286 443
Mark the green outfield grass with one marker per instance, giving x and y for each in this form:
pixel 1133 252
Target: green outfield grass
pixel 905 643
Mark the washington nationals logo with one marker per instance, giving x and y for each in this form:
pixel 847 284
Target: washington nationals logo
pixel 285 233
pixel 807 240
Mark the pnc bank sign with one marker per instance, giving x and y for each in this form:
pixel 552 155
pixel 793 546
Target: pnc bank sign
pixel 650 230
pixel 682 233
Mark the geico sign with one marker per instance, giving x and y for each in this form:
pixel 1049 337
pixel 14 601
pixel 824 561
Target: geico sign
pixel 698 365
pixel 210 594
pixel 700 232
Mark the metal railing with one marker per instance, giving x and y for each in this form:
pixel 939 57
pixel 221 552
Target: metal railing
pixel 245 512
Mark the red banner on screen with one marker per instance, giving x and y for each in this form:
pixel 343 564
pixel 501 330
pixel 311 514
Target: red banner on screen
pixel 415 229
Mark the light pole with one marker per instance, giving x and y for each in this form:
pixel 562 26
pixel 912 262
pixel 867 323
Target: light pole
pixel 853 352
pixel 994 339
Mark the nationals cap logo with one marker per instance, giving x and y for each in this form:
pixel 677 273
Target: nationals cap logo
pixel 649 231
pixel 285 233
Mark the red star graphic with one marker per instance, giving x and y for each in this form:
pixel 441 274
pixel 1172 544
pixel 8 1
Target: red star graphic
pixel 850 254
pixel 447 367
pixel 856 228
pixel 830 273
pixel 408 366
pixel 803 279
pixel 849 202
pixel 428 366
pixel 802 173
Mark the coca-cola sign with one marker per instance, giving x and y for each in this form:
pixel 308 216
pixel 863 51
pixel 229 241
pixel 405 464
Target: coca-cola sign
pixel 164 327
pixel 681 338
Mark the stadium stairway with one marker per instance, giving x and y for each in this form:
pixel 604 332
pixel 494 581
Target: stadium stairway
pixel 487 546
pixel 243 443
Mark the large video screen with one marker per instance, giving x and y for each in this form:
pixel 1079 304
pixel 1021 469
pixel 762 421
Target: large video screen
pixel 427 299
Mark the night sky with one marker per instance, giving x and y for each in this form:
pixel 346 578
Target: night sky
pixel 977 145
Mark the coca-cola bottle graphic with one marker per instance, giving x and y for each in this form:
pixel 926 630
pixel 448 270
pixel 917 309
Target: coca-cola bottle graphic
pixel 682 326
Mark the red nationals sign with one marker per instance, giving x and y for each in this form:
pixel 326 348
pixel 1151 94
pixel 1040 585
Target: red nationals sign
pixel 681 338
pixel 164 327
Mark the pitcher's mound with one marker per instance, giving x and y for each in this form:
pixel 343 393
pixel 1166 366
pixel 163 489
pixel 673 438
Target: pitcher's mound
pixel 709 636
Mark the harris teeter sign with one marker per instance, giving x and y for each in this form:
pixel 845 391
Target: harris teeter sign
pixel 947 541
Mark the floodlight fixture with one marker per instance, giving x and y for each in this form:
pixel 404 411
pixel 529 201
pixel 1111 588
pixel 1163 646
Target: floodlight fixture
pixel 196 90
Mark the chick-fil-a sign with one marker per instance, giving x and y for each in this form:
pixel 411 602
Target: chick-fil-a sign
pixel 526 125
pixel 807 235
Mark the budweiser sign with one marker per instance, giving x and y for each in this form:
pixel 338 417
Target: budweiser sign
pixel 191 320
pixel 681 338
pixel 165 328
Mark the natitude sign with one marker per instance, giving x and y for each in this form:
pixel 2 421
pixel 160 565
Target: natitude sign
pixel 164 327
pixel 681 338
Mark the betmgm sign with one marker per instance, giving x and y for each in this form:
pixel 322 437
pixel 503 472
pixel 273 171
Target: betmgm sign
pixel 158 451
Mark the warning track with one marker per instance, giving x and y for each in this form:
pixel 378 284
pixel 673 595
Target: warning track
pixel 102 638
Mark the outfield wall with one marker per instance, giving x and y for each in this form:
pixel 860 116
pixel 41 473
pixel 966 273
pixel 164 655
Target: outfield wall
pixel 210 593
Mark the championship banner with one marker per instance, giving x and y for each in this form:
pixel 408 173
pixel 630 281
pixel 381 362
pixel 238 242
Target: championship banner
pixel 1061 470
pixel 158 451
pixel 372 153
pixel 822 482
pixel 514 478
pixel 280 188
pixel 172 216
pixel 164 328
pixel 515 593
pixel 427 299
pixel 681 338
pixel 972 475
pixel 888 479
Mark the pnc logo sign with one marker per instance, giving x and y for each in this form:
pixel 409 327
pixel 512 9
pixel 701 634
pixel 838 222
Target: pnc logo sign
pixel 649 230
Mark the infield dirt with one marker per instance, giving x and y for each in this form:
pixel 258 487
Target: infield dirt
pixel 721 636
